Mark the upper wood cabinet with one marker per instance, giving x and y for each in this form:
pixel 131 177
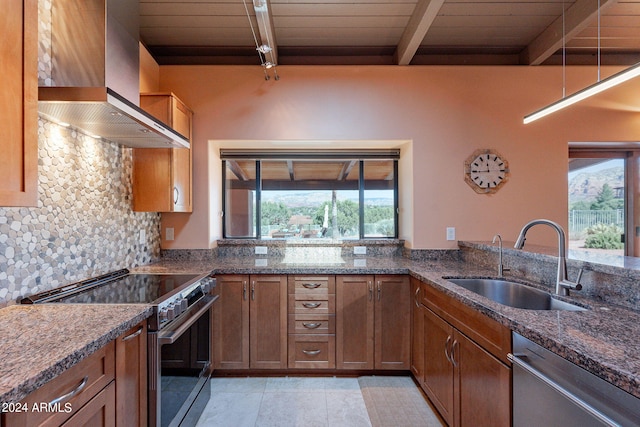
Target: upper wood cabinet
pixel 19 103
pixel 162 177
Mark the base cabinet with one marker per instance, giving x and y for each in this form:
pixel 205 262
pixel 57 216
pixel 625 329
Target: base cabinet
pixel 418 312
pixel 73 390
pixel 251 322
pixel 467 384
pixel 107 388
pixel 131 377
pixel 312 322
pixel 373 328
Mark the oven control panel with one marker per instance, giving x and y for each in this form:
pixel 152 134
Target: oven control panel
pixel 180 303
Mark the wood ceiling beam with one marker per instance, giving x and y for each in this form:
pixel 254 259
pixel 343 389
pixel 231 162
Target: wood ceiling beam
pixel 578 17
pixel 290 168
pixel 266 29
pixel 237 170
pixel 346 170
pixel 419 23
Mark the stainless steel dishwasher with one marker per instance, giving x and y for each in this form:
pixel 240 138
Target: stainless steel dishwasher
pixel 551 391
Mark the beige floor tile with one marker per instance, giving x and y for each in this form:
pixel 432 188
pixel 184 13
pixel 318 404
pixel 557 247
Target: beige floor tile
pixel 231 410
pixel 293 409
pixel 318 401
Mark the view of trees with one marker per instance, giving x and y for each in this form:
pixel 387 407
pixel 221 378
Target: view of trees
pixel 378 219
pixel 600 235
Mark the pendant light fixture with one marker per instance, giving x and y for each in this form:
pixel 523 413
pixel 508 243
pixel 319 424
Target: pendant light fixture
pixel 599 86
pixel 265 48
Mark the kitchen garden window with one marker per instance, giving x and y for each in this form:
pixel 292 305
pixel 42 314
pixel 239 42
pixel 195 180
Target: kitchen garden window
pixel 305 194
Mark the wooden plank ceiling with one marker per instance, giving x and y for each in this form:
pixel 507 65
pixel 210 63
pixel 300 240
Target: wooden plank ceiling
pixel 360 32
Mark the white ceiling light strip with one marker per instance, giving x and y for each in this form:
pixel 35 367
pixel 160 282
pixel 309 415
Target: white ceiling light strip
pixel 599 86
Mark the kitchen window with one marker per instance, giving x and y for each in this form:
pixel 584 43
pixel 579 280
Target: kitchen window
pixel 603 185
pixel 304 194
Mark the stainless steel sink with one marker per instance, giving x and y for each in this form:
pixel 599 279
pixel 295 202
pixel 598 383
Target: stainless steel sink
pixel 514 294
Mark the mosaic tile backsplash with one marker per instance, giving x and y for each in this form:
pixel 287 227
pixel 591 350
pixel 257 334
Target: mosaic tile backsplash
pixel 83 225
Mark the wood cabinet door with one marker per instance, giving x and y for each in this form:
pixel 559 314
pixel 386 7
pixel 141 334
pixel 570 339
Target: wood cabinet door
pixel 181 176
pixel 354 322
pixel 162 178
pixel 231 347
pixel 99 412
pixel 438 370
pixel 392 322
pixel 268 322
pixel 484 385
pixel 131 377
pixel 19 103
pixel 417 332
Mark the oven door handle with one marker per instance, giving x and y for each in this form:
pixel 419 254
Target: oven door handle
pixel 170 335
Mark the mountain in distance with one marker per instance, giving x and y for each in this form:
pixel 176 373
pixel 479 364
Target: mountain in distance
pixel 587 185
pixel 318 198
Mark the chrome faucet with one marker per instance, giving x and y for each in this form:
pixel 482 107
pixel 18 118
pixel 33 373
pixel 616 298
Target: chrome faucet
pixel 501 268
pixel 562 283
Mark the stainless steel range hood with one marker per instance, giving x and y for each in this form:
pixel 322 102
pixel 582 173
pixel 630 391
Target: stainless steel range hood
pixel 95 74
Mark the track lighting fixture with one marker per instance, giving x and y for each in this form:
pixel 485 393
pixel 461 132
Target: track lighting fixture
pixel 263 49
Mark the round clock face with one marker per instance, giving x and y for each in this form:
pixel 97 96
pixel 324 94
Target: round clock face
pixel 486 171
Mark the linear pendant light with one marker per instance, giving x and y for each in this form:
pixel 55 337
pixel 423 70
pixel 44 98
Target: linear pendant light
pixel 602 85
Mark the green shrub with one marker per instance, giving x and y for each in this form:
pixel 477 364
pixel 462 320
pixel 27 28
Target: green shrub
pixel 601 236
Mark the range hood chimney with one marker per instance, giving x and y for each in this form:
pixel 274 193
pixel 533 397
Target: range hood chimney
pixel 95 74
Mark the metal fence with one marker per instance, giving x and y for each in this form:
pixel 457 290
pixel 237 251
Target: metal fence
pixel 579 221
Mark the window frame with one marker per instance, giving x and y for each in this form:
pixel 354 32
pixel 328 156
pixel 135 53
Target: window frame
pixel 360 156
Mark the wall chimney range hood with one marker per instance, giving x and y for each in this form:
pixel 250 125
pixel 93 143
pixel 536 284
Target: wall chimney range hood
pixel 95 74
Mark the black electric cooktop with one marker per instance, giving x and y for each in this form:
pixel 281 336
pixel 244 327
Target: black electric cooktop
pixel 131 289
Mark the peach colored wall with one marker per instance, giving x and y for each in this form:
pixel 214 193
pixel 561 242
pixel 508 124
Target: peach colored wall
pixel 149 71
pixel 446 112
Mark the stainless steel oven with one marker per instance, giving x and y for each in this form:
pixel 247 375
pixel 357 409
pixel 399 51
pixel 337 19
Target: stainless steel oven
pixel 179 340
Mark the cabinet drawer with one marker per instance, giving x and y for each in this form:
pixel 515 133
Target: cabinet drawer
pixel 312 285
pixel 312 304
pixel 86 378
pixel 99 412
pixel 312 324
pixel 312 351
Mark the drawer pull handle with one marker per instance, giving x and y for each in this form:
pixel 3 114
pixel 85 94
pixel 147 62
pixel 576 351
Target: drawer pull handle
pixel 134 334
pixel 311 304
pixel 311 325
pixel 311 352
pixel 311 285
pixel 71 394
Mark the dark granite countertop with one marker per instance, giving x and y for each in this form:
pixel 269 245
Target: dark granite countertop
pixel 604 339
pixel 39 342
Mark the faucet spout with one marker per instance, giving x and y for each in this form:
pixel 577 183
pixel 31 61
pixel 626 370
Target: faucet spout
pixel 562 283
pixel 501 268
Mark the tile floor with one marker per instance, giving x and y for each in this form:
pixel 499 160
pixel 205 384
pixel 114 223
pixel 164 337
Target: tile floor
pixel 317 401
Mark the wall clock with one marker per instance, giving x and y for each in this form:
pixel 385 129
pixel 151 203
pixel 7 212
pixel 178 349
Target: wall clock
pixel 486 171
